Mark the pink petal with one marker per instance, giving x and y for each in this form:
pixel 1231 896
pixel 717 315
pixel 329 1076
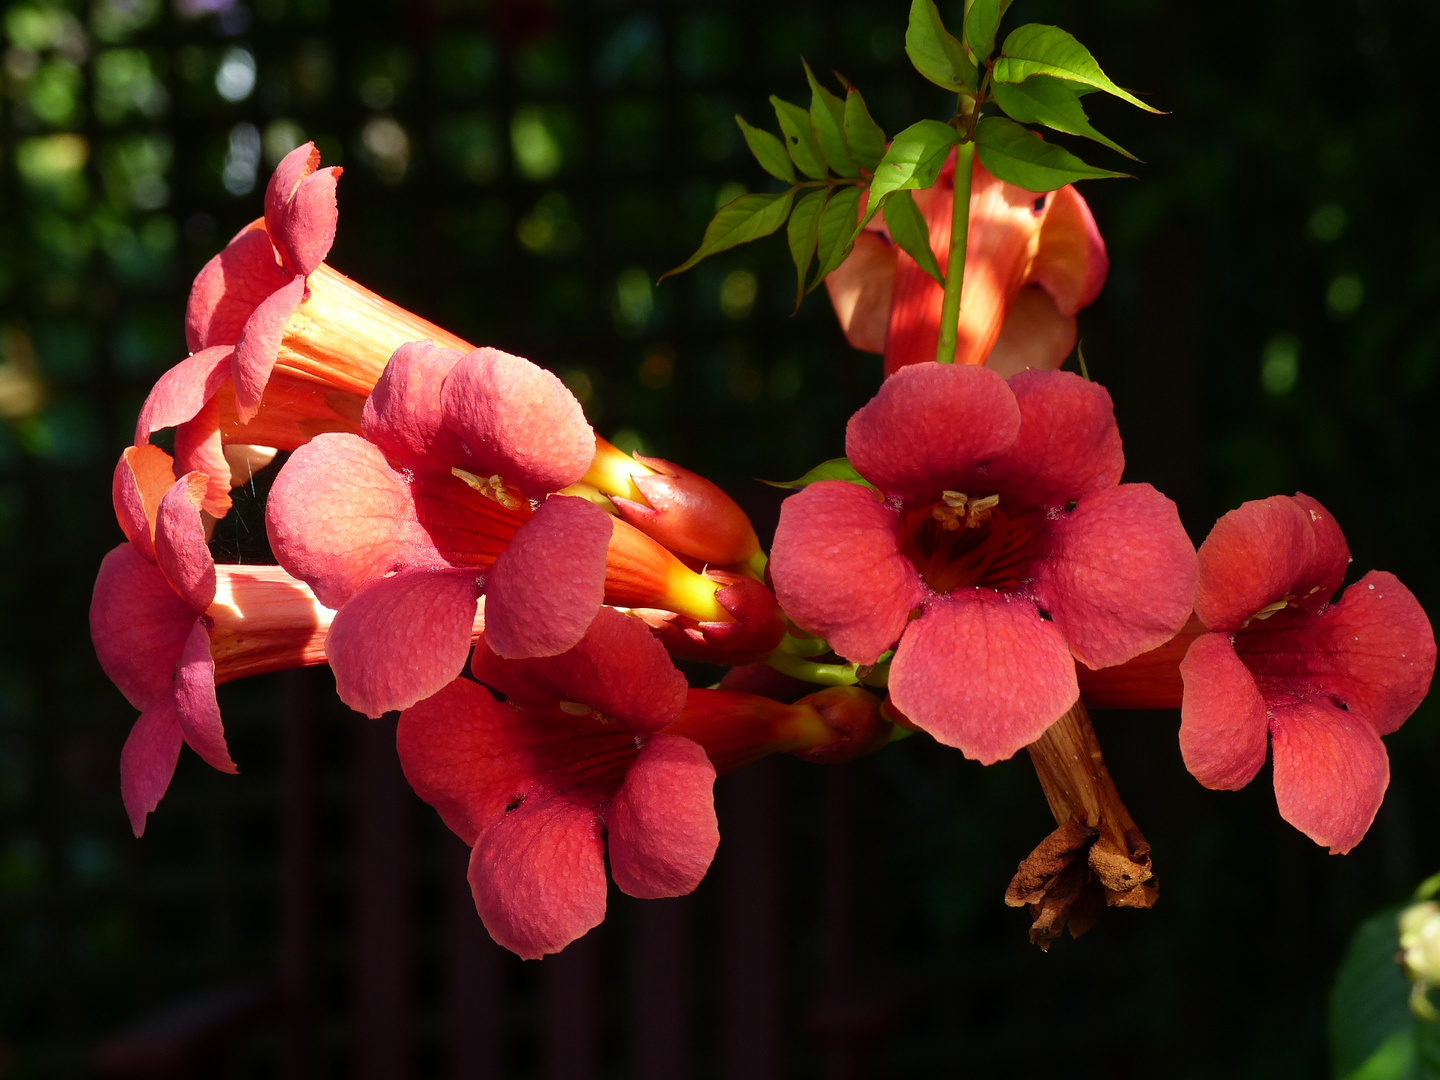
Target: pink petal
pixel 195 704
pixel 517 420
pixel 1326 573
pixel 259 346
pixel 545 588
pixel 1253 557
pixel 1035 335
pixel 860 290
pixel 662 828
pixel 230 287
pixel 182 392
pixel 981 671
pixel 838 571
pixel 1071 262
pixel 200 448
pixel 400 639
pixel 294 167
pixel 1119 578
pixel 403 415
pixel 339 516
pixel 619 669
pixel 147 761
pixel 307 224
pixel 930 426
pixel 1331 772
pixel 1069 444
pixel 538 876
pixel 138 626
pixel 1222 716
pixel 142 477
pixel 180 545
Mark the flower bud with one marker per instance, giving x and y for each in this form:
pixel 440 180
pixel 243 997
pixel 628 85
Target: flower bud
pixel 1420 954
pixel 854 717
pixel 758 625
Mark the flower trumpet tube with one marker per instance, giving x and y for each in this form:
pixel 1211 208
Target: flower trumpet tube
pixel 993 547
pixel 1318 679
pixel 168 625
pixel 1032 261
pixel 1149 681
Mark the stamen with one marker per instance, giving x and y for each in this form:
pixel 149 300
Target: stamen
pixel 979 510
pixel 1269 609
pixel 950 511
pixel 575 708
pixel 492 488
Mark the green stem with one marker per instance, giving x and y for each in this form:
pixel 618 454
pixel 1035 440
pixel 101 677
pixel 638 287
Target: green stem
pixel 810 671
pixel 955 267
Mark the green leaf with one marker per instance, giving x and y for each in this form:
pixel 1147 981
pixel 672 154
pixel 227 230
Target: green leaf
pixel 936 53
pixel 835 469
pixel 800 138
pixel 803 232
pixel 837 231
pixel 827 117
pixel 913 160
pixel 864 137
pixel 1036 49
pixel 738 222
pixel 982 19
pixel 909 229
pixel 1020 157
pixel 768 150
pixel 1042 99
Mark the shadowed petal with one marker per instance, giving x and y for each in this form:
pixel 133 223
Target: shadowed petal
pixel 1070 262
pixel 838 570
pixel 400 639
pixel 200 448
pixel 518 420
pixel 182 392
pixel 982 671
pixel 1069 444
pixel 662 828
pixel 147 761
pixel 1253 557
pixel 138 625
pixel 1222 717
pixel 1035 335
pixel 230 287
pixel 538 876
pixel 404 415
pixel 195 706
pixel 1119 578
pixel 929 426
pixel 142 477
pixel 545 588
pixel 181 549
pixel 259 346
pixel 1331 772
pixel 860 290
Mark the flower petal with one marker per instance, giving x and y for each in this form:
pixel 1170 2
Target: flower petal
pixel 1070 262
pixel 181 549
pixel 182 392
pixel 1222 716
pixel 538 876
pixel 662 828
pixel 259 346
pixel 929 426
pixel 1326 573
pixel 1253 557
pixel 400 639
pixel 142 477
pixel 838 570
pixel 1119 578
pixel 147 761
pixel 545 588
pixel 518 420
pixel 199 447
pixel 231 286
pixel 981 671
pixel 293 168
pixel 195 706
pixel 339 516
pixel 618 669
pixel 860 290
pixel 404 415
pixel 1035 335
pixel 1331 772
pixel 1069 443
pixel 307 223
pixel 138 626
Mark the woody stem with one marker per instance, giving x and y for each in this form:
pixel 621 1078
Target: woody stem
pixel 1077 785
pixel 955 267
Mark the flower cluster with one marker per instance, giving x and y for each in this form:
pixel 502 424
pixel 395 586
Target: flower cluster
pixel 460 547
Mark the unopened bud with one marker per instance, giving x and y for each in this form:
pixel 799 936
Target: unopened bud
pixel 854 718
pixel 758 625
pixel 1420 954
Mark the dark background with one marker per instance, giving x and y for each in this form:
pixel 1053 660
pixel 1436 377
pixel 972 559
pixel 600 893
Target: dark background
pixel 521 172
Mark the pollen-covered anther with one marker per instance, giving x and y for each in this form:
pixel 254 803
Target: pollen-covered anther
pixel 493 487
pixel 950 511
pixel 979 510
pixel 577 708
pixel 1269 609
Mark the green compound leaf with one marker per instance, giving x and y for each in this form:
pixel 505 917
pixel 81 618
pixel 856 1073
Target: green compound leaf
pixel 909 229
pixel 803 233
pixel 768 150
pixel 800 138
pixel 1036 49
pixel 1042 99
pixel 913 160
pixel 864 137
pixel 827 117
pixel 1020 157
pixel 738 222
pixel 936 53
pixel 982 20
pixel 837 231
pixel 835 469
